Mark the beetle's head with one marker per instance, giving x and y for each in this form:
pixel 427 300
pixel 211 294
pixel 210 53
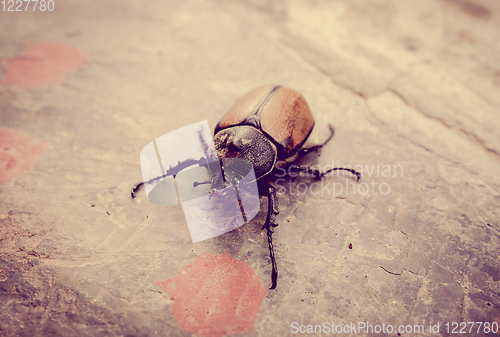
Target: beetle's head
pixel 226 173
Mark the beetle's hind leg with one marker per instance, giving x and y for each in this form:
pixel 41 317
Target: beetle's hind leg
pixel 317 173
pixel 272 211
pixel 306 150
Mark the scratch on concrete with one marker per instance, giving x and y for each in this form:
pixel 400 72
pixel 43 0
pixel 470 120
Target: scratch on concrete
pixel 390 272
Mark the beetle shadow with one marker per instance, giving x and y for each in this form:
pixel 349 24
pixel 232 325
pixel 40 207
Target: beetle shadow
pixel 245 240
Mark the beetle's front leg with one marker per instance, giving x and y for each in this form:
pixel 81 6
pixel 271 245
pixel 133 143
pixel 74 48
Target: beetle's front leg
pixel 272 211
pixel 172 171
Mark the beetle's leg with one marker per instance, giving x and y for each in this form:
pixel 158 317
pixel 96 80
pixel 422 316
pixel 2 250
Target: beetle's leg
pixel 272 211
pixel 318 174
pixel 172 171
pixel 136 189
pixel 306 150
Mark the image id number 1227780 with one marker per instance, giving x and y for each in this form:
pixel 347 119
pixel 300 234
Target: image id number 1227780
pixel 27 5
pixel 471 327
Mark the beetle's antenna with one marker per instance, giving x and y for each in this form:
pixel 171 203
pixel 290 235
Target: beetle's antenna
pixel 196 184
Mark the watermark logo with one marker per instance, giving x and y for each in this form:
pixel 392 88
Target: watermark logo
pixel 369 184
pixel 211 204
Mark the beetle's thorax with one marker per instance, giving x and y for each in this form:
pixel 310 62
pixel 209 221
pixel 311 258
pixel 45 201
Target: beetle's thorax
pixel 246 143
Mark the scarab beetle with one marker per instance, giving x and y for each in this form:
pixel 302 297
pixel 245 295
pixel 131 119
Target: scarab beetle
pixel 267 126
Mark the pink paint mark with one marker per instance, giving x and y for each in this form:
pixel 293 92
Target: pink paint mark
pixel 218 295
pixel 17 154
pixel 41 64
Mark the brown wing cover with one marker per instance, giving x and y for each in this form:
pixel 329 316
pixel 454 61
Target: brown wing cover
pixel 288 120
pixel 243 107
pixel 285 117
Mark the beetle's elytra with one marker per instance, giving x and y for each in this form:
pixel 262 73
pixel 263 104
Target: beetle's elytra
pixel 280 113
pixel 267 125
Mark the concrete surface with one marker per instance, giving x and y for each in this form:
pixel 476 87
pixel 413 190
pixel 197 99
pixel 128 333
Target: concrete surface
pixel 411 88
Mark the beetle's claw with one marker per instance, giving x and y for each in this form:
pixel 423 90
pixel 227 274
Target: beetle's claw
pixel 270 226
pixel 136 188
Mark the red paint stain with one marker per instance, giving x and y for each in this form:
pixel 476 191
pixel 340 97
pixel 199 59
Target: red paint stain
pixel 17 154
pixel 217 295
pixel 41 64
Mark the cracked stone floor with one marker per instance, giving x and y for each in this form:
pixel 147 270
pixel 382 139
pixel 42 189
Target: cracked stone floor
pixel 411 87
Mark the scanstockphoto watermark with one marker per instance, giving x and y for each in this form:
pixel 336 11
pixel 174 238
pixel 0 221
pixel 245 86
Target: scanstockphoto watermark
pixel 369 184
pixel 433 328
